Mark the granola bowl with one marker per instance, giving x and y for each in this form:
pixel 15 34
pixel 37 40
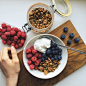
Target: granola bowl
pixel 38 73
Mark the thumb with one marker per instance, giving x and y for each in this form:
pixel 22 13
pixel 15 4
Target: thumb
pixel 14 54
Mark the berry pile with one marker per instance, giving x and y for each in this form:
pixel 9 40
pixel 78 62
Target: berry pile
pixel 54 53
pixel 12 36
pixel 34 58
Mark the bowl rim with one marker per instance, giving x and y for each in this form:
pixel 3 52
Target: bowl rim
pixel 45 75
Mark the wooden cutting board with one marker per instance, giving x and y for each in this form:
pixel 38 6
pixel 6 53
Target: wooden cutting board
pixel 75 60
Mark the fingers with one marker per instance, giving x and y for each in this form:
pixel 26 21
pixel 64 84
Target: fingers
pixel 14 54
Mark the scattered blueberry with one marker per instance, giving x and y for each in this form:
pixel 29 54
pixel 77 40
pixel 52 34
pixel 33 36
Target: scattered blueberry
pixel 62 36
pixel 52 59
pixel 46 57
pixel 55 57
pixel 76 40
pixel 59 58
pixel 57 48
pixel 60 50
pixel 65 29
pixel 42 59
pixel 68 42
pixel 71 35
pixel 50 55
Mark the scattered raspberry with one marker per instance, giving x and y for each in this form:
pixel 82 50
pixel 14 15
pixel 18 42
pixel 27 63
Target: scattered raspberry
pixel 8 26
pixel 29 62
pixel 28 50
pixel 20 45
pixel 19 30
pixel 3 25
pixel 4 42
pixel 19 34
pixel 33 58
pixel 36 67
pixel 7 33
pixel 15 29
pixel 22 41
pixel 29 56
pixel 16 46
pixel 31 47
pixel 3 37
pixel 37 62
pixel 12 32
pixel 8 29
pixel 15 38
pixel 23 35
pixel 34 51
pixel 39 56
pixel 0 29
pixel 9 42
pixel 31 66
pixel 4 30
pixel 36 55
pixel 12 44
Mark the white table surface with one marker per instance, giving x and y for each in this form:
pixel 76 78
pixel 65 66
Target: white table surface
pixel 14 12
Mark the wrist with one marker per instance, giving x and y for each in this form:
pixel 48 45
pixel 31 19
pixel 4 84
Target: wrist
pixel 12 80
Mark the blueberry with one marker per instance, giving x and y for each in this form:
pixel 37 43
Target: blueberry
pixel 60 50
pixel 48 52
pixel 56 51
pixel 50 55
pixel 71 35
pixel 59 58
pixel 53 44
pixel 46 57
pixel 42 59
pixel 53 48
pixel 57 48
pixel 65 29
pixel 62 36
pixel 76 40
pixel 52 59
pixel 53 52
pixel 55 57
pixel 60 53
pixel 68 42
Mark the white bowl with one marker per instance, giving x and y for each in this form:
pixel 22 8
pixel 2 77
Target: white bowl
pixel 38 73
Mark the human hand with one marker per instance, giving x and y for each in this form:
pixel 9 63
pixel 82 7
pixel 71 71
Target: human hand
pixel 10 67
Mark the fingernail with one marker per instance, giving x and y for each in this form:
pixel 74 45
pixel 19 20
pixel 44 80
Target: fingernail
pixel 12 47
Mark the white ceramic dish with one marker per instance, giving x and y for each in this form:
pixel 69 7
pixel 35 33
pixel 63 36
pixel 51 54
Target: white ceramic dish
pixel 39 74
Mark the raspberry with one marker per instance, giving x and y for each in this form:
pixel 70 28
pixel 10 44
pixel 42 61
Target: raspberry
pixel 15 38
pixel 29 62
pixel 16 46
pixel 12 38
pixel 31 47
pixel 20 45
pixel 15 29
pixel 19 34
pixel 3 41
pixel 3 25
pixel 12 32
pixel 37 62
pixel 7 33
pixel 0 29
pixel 18 41
pixel 36 55
pixel 9 42
pixel 31 66
pixel 8 37
pixel 4 30
pixel 3 37
pixel 8 29
pixel 0 34
pixel 23 35
pixel 34 51
pixel 33 58
pixel 28 50
pixel 39 56
pixel 12 44
pixel 19 30
pixel 29 56
pixel 36 67
pixel 22 41
pixel 8 26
